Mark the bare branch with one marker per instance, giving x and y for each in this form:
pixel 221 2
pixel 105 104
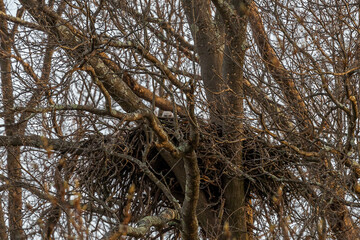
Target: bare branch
pixel 143 226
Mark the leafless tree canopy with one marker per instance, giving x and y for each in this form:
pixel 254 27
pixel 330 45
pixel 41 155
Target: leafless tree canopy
pixel 179 119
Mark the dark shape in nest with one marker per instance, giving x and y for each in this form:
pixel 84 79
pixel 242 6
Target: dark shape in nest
pixel 108 177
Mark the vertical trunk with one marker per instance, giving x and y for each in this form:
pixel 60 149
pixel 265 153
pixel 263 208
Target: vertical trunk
pixel 15 193
pixel 13 153
pixel 207 38
pixel 189 222
pixel 3 229
pixel 226 108
pixel 235 192
pixel 237 208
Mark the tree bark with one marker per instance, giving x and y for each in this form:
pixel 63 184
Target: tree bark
pixel 13 153
pixel 236 197
pixel 3 228
pixel 209 47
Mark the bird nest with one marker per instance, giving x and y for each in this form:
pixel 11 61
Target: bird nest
pixel 106 177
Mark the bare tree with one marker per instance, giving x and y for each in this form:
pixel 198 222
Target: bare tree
pixel 179 119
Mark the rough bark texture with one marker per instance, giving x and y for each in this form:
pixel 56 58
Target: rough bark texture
pixel 3 228
pixel 235 194
pixel 209 48
pixel 189 220
pixel 13 153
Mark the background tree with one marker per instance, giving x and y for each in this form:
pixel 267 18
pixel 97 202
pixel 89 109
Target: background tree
pixel 203 119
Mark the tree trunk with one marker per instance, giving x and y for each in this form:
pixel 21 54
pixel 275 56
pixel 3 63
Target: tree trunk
pixel 13 153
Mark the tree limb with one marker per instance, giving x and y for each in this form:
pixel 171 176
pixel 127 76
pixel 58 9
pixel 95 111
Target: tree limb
pixel 277 70
pixel 143 226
